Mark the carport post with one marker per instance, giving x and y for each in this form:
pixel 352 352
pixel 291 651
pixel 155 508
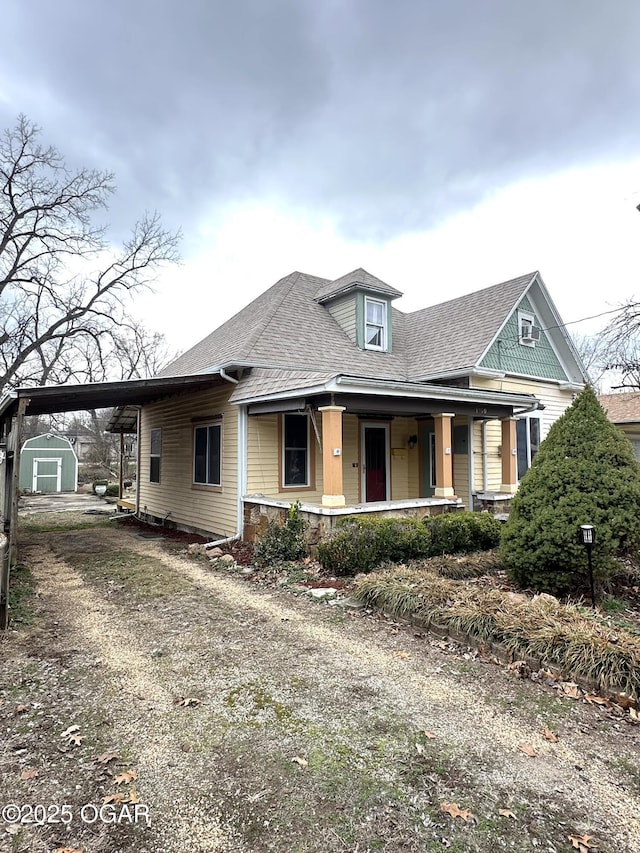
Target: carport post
pixel 11 556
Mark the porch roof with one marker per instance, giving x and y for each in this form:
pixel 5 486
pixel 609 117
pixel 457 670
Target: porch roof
pixel 362 395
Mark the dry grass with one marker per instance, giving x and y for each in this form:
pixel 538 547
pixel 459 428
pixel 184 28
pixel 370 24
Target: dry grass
pixel 570 638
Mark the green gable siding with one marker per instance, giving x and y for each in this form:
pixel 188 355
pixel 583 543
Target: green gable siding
pixel 508 354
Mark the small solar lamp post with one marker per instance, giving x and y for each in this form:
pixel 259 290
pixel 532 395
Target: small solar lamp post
pixel 588 538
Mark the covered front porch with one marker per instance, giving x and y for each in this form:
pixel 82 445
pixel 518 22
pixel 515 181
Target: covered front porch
pixel 368 453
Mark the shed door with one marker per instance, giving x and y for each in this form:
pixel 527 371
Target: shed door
pixel 47 475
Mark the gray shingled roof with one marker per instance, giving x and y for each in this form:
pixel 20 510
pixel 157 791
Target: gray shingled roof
pixel 262 381
pixel 352 280
pixel 455 334
pixel 286 328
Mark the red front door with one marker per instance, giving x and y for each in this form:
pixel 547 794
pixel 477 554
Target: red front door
pixel 375 463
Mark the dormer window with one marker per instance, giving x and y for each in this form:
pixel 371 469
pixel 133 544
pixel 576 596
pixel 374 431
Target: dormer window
pixel 375 329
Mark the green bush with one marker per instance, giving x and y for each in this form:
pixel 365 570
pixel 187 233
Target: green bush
pixel 462 532
pixel 282 542
pixel 361 544
pixel 113 490
pixel 585 473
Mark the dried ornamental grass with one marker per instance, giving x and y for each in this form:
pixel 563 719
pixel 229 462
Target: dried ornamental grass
pixel 564 636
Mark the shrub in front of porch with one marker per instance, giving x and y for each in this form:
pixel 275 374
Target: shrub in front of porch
pixel 361 544
pixel 585 473
pixel 282 542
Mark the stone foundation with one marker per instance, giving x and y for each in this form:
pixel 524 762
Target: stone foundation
pixel 319 520
pixel 498 504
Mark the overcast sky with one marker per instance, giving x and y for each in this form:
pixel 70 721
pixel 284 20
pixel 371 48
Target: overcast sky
pixel 444 145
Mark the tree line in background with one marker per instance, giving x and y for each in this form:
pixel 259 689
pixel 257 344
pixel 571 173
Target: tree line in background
pixel 612 357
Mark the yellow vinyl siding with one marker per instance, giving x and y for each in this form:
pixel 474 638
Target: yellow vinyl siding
pixel 555 401
pixel 263 463
pixel 211 509
pixel 461 468
pixel 351 457
pixel 400 459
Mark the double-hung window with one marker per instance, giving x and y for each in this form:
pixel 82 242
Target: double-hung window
pixel 375 326
pixel 207 455
pixel 154 455
pixel 296 462
pixel 527 443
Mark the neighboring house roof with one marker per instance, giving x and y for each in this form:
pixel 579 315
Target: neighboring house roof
pixel 622 408
pixel 288 328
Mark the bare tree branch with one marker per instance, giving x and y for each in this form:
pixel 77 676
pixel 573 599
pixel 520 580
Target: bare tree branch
pixel 65 292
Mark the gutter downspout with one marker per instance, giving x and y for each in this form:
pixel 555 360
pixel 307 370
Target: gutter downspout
pixel 242 476
pixel 138 457
pixel 228 378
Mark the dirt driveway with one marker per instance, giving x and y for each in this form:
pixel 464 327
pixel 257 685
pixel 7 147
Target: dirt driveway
pixel 216 715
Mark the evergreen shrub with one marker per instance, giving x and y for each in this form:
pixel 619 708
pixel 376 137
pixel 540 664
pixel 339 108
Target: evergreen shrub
pixel 462 532
pixel 585 473
pixel 282 542
pixel 361 544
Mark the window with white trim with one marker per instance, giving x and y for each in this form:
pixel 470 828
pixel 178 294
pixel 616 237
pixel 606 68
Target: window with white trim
pixel 207 455
pixel 155 452
pixel 527 329
pixel 296 469
pixel 528 437
pixel 375 326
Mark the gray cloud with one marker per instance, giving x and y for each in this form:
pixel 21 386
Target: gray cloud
pixel 386 116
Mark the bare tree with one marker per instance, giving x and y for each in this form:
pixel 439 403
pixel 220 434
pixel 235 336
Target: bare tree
pixel 622 337
pixel 64 290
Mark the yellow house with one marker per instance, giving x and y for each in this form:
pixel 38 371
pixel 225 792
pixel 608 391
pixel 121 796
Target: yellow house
pixel 322 392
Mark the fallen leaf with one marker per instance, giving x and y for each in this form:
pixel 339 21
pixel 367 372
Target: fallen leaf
pixel 455 811
pixel 116 798
pixel 187 702
pixel 583 843
pixel 28 774
pixel 634 714
pixel 69 850
pixel 301 761
pixel 419 749
pixel 527 749
pixel 402 655
pixel 106 757
pixel 506 813
pixel 126 777
pixel 596 700
pixel 21 709
pixel 571 690
pixel 70 730
pixel 428 734
pixel 547 734
pixel 75 739
pixel 133 796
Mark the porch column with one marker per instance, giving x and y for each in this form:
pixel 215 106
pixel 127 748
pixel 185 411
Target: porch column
pixel 444 456
pixel 332 455
pixel 509 456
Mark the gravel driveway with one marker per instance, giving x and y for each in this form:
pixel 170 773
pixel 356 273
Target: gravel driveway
pixel 219 715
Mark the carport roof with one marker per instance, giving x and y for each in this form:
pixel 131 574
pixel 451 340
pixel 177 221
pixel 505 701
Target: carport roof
pixel 101 395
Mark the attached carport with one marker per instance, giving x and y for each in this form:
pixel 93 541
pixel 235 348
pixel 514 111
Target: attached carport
pixel 126 396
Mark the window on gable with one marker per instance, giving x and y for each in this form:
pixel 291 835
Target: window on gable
pixel 527 443
pixel 375 328
pixel 528 332
pixel 296 469
pixel 207 455
pixel 154 455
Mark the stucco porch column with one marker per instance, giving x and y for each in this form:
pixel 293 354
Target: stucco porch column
pixel 332 455
pixel 509 456
pixel 444 455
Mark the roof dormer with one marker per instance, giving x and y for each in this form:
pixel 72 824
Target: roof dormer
pixel 361 305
